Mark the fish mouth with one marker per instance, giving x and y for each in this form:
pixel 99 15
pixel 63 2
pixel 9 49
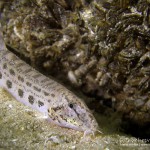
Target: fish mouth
pixel 70 126
pixel 84 129
pixel 65 125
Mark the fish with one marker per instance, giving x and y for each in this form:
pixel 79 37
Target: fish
pixel 30 87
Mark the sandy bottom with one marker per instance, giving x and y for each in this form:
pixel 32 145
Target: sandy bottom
pixel 23 128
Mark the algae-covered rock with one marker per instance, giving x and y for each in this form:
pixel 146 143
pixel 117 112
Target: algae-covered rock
pixel 101 46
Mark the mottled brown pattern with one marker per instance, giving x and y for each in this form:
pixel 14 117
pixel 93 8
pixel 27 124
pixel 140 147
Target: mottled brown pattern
pixel 12 72
pixel 46 94
pixel 37 89
pixel 9 84
pixel 40 103
pixel 31 99
pixel 4 66
pixel 53 95
pixel 20 92
pixel 28 84
pixel 20 78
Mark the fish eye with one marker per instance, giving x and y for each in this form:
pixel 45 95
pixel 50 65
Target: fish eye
pixel 71 105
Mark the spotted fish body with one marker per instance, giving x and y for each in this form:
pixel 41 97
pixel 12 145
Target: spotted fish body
pixel 33 89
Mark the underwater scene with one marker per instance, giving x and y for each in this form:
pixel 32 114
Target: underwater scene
pixel 74 74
